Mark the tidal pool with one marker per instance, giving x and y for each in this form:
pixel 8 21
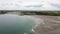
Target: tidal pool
pixel 14 24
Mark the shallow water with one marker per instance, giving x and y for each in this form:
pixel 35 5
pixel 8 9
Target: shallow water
pixel 14 24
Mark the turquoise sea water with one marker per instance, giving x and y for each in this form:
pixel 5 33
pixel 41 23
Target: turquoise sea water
pixel 14 24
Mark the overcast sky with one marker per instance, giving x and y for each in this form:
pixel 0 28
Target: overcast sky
pixel 29 4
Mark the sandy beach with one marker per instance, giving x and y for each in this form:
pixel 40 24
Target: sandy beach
pixel 50 24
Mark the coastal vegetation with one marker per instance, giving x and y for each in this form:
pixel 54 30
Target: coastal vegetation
pixel 3 12
pixel 22 12
pixel 41 13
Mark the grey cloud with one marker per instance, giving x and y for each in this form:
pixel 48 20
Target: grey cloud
pixel 29 5
pixel 34 6
pixel 55 5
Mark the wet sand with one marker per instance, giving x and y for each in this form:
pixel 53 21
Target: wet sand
pixel 49 24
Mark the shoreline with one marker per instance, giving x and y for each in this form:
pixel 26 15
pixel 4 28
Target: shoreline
pixel 53 23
